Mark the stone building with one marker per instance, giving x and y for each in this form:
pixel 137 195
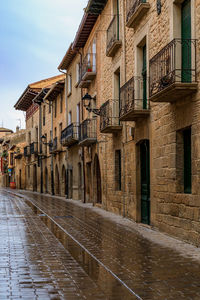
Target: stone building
pixel 135 65
pixel 33 150
pixel 71 133
pixel 140 67
pixel 12 160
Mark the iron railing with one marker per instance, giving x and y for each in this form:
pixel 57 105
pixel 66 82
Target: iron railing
pixel 53 145
pixel 109 114
pixel 131 7
pixel 88 129
pixel 112 32
pixel 175 63
pixel 133 95
pixel 70 132
pixel 34 148
pixel 26 151
pixel 89 64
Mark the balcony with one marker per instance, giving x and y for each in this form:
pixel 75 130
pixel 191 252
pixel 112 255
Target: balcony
pixel 88 132
pixel 134 103
pixel 55 147
pixel 135 10
pixel 27 151
pixel 113 40
pixel 88 70
pixel 109 117
pixel 18 155
pixel 173 73
pixel 70 135
pixel 34 148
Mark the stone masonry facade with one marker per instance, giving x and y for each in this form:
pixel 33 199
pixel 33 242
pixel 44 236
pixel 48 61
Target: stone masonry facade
pixel 133 149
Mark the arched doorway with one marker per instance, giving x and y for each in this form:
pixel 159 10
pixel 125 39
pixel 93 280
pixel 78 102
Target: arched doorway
pixel 57 181
pixel 35 178
pixel 64 180
pixel 46 180
pixel 145 181
pixel 97 181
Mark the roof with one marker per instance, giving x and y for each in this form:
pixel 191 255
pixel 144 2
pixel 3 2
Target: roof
pixel 25 100
pixel 67 59
pixel 55 90
pixel 84 30
pixel 40 96
pixel 95 6
pixel 2 129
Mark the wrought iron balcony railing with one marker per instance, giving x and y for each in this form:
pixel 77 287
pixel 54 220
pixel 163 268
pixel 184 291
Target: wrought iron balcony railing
pixel 88 132
pixel 109 116
pixel 134 102
pixel 174 69
pixel 113 37
pixel 34 148
pixel 27 151
pixel 135 9
pixel 88 68
pixel 70 135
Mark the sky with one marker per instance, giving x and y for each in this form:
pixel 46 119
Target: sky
pixel 34 37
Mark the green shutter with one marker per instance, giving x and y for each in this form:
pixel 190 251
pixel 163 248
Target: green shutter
pixel 187 161
pixel 144 76
pixel 186 40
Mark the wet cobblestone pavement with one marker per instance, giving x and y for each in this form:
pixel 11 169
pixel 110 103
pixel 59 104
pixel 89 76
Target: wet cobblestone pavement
pixel 123 263
pixel 33 264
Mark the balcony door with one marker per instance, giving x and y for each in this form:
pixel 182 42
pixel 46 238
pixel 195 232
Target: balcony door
pixel 144 76
pixel 145 181
pixel 186 40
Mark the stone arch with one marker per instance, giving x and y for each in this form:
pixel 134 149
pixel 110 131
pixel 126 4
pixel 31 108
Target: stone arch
pixel 57 181
pixel 97 181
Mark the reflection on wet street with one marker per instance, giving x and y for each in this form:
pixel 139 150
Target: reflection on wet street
pixel 100 258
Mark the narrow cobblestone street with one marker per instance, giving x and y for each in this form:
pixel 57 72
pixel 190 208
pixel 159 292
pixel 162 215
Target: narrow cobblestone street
pixel 93 257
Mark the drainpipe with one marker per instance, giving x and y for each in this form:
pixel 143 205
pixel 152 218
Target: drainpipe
pixel 52 173
pixel 83 151
pixel 40 147
pixel 125 127
pixel 66 105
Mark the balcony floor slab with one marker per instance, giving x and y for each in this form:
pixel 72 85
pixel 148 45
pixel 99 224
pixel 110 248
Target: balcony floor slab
pixel 134 115
pixel 175 92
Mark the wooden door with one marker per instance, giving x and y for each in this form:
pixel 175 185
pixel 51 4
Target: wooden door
pixel 145 181
pixel 186 40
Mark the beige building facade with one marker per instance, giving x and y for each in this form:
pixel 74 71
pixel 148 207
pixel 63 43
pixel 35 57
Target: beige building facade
pixel 128 131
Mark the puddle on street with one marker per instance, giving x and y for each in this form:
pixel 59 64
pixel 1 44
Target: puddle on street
pixel 113 287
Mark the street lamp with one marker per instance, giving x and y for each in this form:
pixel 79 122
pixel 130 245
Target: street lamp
pixel 87 99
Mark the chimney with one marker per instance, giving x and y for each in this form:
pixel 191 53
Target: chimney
pixel 17 129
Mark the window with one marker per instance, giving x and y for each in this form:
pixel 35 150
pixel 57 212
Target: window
pixel 49 107
pixel 118 170
pixel 187 161
pixel 183 161
pixel 55 108
pixel 29 171
pixel 69 83
pixel 60 129
pixel 55 132
pixel 78 72
pixel 44 115
pixel 11 158
pixel 29 137
pixel 69 118
pixel 78 113
pixel 61 102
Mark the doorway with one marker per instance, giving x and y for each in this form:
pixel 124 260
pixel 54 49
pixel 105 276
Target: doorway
pixel 145 181
pixel 97 181
pixel 35 178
